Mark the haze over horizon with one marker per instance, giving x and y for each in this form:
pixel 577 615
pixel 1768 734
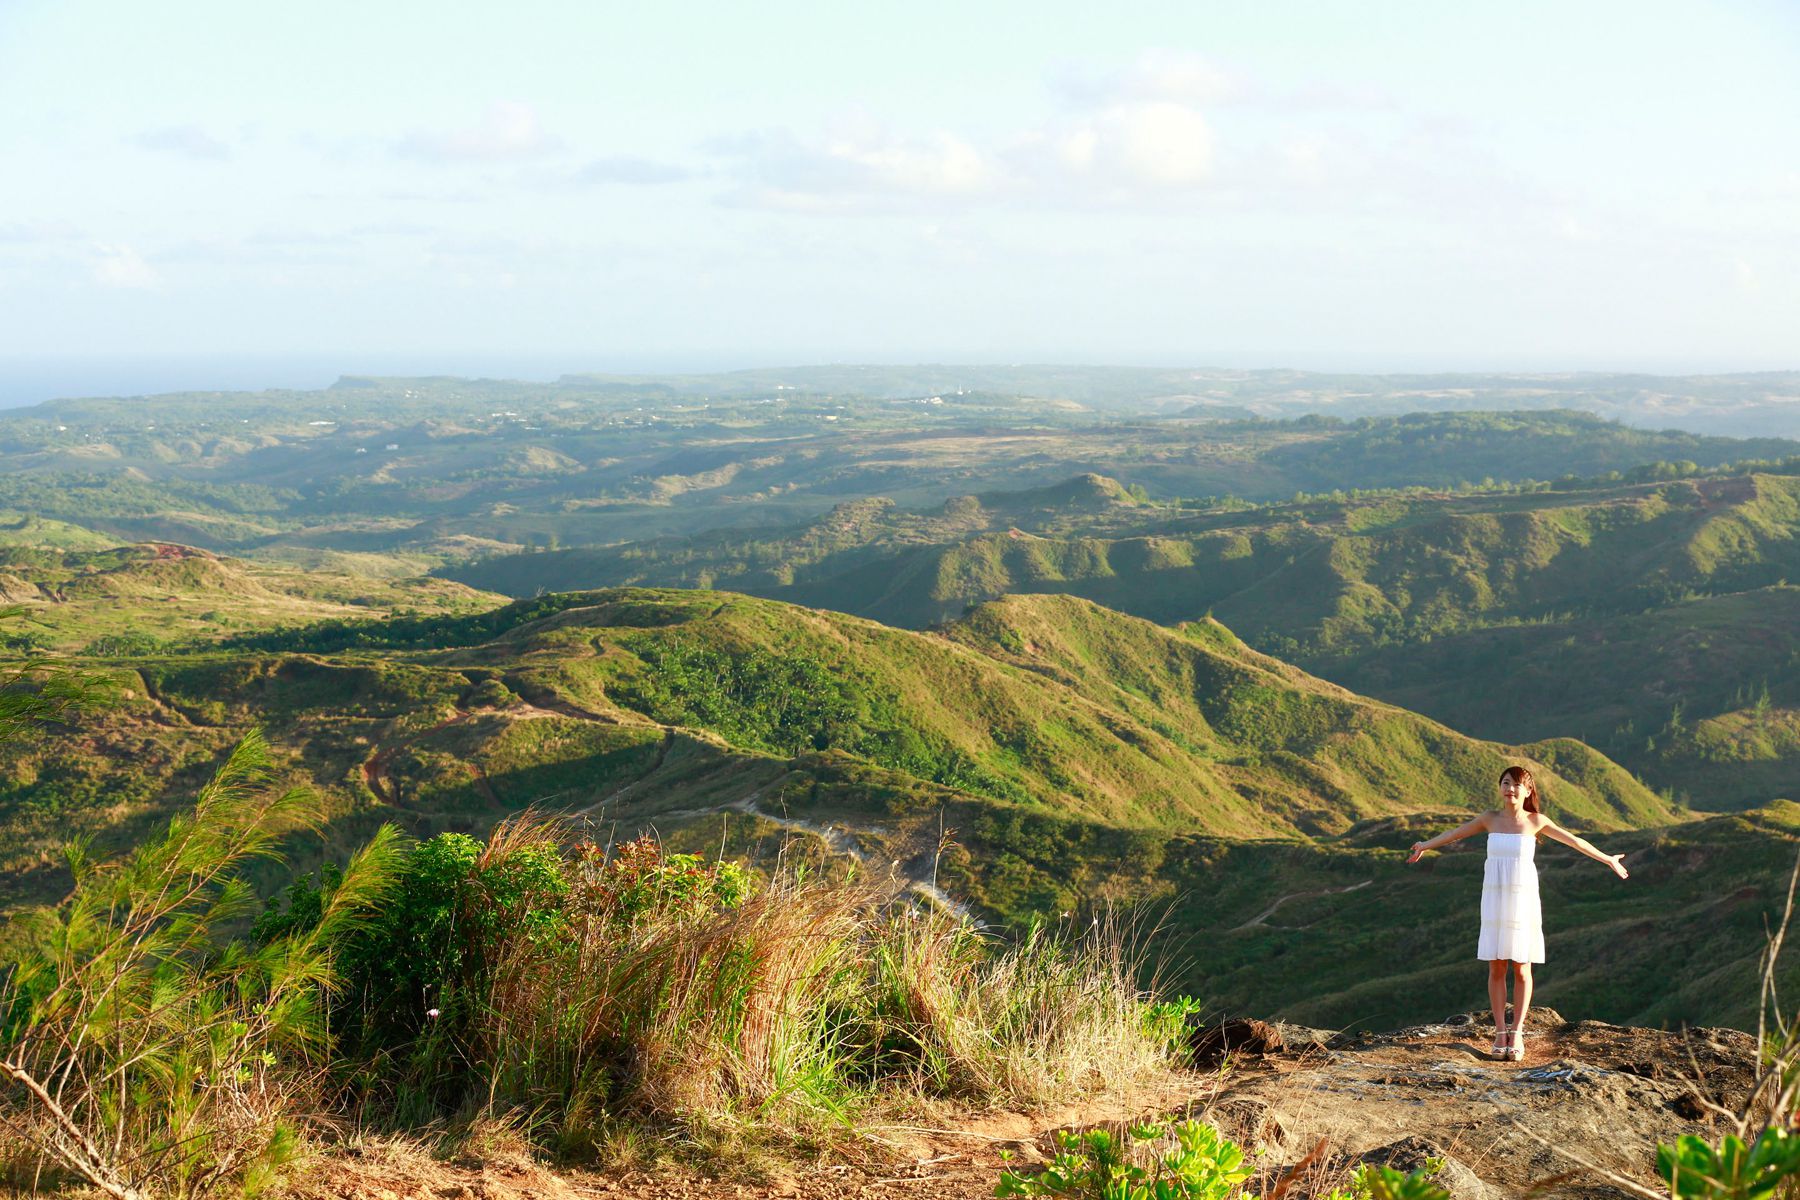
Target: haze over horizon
pixel 217 192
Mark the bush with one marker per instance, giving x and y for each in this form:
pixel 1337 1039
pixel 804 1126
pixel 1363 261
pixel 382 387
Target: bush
pixel 140 1045
pixel 576 989
pixel 1189 1161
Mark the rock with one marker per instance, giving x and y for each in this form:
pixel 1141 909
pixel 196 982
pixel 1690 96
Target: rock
pixel 1298 1039
pixel 1586 1091
pixel 1239 1039
pixel 1414 1153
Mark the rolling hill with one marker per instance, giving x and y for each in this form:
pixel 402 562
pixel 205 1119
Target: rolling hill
pixel 1073 752
pixel 1584 591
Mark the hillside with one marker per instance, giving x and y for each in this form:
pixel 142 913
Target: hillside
pixel 439 471
pixel 1047 704
pixel 1579 590
pixel 1075 756
pixel 145 597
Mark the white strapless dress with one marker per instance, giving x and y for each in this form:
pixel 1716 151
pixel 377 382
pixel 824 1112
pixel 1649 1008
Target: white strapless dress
pixel 1512 920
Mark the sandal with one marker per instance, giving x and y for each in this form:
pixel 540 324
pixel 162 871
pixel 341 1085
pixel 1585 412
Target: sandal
pixel 1516 1051
pixel 1499 1047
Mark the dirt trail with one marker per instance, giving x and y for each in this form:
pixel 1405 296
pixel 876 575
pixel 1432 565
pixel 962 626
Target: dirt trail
pixel 1268 912
pixel 375 767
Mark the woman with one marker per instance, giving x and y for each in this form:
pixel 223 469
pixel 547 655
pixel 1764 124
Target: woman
pixel 1512 926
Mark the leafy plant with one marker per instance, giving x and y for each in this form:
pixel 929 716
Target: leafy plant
pixel 1696 1170
pixel 1200 1164
pixel 1385 1183
pixel 1168 1020
pixel 1203 1164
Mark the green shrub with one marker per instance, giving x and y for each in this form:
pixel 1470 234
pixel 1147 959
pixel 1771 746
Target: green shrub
pixel 1191 1160
pixel 1202 1165
pixel 1695 1170
pixel 574 989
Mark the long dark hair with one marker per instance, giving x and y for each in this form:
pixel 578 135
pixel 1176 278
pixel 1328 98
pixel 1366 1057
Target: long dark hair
pixel 1522 777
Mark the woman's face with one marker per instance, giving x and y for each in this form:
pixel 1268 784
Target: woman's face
pixel 1514 791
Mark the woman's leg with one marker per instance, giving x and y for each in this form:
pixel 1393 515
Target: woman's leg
pixel 1521 1001
pixel 1497 971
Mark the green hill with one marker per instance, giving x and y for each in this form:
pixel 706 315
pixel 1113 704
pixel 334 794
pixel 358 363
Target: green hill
pixel 1571 598
pixel 1039 703
pixel 140 598
pixel 1075 756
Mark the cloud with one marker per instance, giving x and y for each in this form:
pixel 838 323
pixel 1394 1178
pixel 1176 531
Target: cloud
pixel 1115 153
pixel 628 169
pixel 189 141
pixel 1160 144
pixel 23 233
pixel 507 132
pixel 117 265
pixel 854 163
pixel 1177 76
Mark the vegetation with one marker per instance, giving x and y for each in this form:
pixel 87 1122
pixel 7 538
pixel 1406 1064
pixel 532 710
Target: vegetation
pixel 141 1049
pixel 147 1053
pixel 1201 1164
pixel 1598 599
pixel 1592 607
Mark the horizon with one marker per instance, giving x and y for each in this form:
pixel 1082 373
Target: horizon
pixel 26 381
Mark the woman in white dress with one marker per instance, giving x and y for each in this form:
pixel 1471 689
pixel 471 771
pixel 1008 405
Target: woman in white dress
pixel 1512 925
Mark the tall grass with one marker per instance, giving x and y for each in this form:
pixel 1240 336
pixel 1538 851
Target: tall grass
pixel 651 989
pixel 141 1049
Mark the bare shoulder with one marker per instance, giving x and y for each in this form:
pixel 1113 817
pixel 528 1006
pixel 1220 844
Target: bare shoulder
pixel 1485 820
pixel 1542 824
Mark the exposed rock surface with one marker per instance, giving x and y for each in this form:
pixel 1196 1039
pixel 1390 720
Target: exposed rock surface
pixel 1586 1090
pixel 1496 1130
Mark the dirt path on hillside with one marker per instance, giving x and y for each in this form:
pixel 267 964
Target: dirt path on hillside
pixel 1268 912
pixel 375 767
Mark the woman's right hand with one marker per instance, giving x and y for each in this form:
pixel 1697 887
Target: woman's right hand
pixel 1418 852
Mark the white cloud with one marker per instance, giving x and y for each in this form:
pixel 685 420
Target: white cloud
pixel 189 141
pixel 1159 144
pixel 629 169
pixel 1179 76
pixel 857 163
pixel 117 265
pixel 507 132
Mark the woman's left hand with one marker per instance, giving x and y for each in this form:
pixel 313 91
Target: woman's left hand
pixel 1617 863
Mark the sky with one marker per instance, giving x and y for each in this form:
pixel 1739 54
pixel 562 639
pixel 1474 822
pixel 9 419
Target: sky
pixel 607 186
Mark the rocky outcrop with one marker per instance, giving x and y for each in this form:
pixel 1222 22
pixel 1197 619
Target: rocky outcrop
pixel 1586 1093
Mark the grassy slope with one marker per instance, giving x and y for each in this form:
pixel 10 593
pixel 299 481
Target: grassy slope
pixel 1676 692
pixel 562 709
pixel 1590 611
pixel 1321 579
pixel 131 597
pixel 1165 766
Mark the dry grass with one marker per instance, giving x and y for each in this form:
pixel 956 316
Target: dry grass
pixel 794 1013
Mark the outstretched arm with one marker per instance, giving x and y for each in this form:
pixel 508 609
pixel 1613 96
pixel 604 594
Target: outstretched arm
pixel 1614 861
pixel 1467 829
